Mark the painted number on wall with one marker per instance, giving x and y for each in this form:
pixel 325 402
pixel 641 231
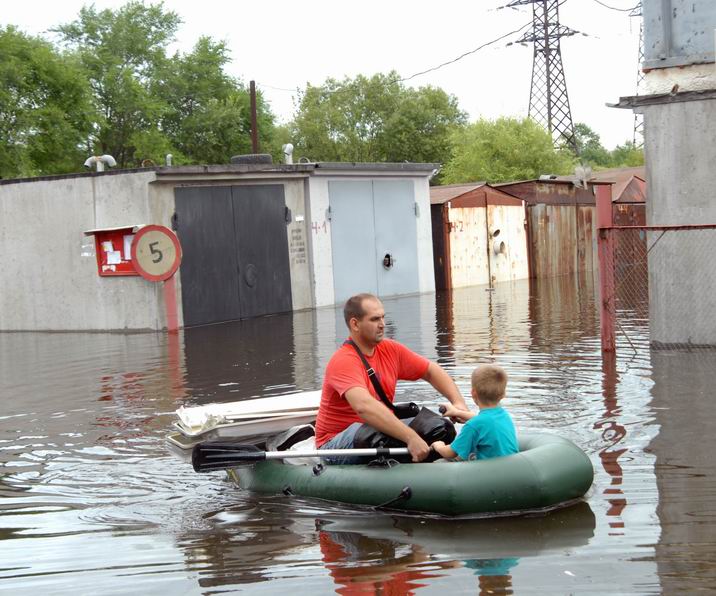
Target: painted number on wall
pixel 317 226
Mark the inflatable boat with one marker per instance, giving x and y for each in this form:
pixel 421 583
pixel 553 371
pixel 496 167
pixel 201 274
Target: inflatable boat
pixel 547 472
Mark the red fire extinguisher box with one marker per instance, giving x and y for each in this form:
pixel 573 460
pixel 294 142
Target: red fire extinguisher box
pixel 113 247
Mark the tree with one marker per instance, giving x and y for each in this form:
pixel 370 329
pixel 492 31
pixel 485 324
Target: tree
pixel 589 145
pixel 208 117
pixel 592 152
pixel 149 104
pixel 374 119
pixel 627 155
pixel 502 150
pixel 45 110
pixel 123 51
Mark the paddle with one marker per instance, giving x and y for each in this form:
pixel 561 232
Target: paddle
pixel 212 456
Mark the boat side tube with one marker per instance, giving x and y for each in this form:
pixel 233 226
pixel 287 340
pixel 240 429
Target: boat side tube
pixel 549 470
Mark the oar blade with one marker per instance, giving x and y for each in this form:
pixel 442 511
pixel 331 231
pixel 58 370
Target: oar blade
pixel 213 456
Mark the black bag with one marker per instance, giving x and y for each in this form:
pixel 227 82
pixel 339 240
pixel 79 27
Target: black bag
pixel 433 427
pixel 406 410
pixel 429 425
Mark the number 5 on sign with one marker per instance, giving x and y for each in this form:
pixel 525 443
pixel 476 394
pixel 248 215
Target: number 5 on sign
pixel 156 253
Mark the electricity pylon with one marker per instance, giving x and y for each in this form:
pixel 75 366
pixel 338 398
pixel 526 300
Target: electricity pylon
pixel 638 138
pixel 549 102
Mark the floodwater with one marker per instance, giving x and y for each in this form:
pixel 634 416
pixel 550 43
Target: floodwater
pixel 92 501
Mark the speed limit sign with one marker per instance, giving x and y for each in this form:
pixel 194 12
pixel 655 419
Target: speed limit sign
pixel 156 253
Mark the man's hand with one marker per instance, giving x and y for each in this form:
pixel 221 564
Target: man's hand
pixel 418 448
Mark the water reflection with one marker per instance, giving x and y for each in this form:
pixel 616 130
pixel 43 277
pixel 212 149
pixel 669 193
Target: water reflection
pixel 235 360
pixel 241 545
pixel 685 468
pixel 613 434
pixel 359 565
pixel 372 552
pixel 384 554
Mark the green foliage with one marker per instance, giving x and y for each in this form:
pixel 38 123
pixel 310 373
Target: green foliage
pixel 627 155
pixel 123 52
pixel 45 114
pixel 116 90
pixel 590 147
pixel 502 150
pixel 592 152
pixel 374 119
pixel 209 117
pixel 149 105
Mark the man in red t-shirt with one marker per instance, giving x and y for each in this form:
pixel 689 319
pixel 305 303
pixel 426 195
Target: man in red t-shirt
pixel 348 398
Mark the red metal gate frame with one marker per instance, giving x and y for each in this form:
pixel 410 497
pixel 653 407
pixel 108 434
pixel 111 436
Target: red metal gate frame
pixel 605 249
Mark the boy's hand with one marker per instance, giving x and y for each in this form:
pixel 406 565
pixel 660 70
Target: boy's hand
pixel 455 414
pixel 443 450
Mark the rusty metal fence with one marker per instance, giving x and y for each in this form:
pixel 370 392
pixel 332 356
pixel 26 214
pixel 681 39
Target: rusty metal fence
pixel 658 286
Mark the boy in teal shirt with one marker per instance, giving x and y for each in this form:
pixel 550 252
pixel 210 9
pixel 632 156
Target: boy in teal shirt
pixel 489 433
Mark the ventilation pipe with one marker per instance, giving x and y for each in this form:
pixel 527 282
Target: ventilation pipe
pixel 168 159
pixel 288 153
pixel 99 161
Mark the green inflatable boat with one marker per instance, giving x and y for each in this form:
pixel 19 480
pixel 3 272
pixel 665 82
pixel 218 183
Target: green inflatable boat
pixel 548 471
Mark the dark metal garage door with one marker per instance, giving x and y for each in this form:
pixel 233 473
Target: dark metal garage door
pixel 235 261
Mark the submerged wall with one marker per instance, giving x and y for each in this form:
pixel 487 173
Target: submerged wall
pixel 49 278
pixel 48 269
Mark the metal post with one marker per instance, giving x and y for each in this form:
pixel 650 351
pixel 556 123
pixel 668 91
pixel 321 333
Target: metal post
pixel 254 125
pixel 605 249
pixel 170 303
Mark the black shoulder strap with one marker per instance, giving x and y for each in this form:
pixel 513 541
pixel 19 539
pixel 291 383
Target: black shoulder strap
pixel 372 375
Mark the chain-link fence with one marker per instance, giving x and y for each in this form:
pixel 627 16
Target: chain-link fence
pixel 663 291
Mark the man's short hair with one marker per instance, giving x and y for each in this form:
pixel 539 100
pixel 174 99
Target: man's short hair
pixel 353 308
pixel 490 382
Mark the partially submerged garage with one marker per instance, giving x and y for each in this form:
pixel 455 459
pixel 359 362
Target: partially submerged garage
pixel 256 239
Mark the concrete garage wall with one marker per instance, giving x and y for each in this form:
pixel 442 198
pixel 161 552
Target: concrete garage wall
pixel 48 268
pixel 322 253
pixel 426 274
pixel 298 245
pixel 682 280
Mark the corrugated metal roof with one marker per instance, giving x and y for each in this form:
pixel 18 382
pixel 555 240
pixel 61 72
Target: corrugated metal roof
pixel 448 192
pixel 621 178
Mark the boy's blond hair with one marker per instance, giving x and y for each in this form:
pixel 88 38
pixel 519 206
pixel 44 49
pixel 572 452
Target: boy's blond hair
pixel 489 382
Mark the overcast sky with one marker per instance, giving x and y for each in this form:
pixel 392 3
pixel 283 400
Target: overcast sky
pixel 283 45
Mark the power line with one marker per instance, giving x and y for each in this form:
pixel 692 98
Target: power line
pixel 477 49
pixel 434 68
pixel 276 88
pixel 615 8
